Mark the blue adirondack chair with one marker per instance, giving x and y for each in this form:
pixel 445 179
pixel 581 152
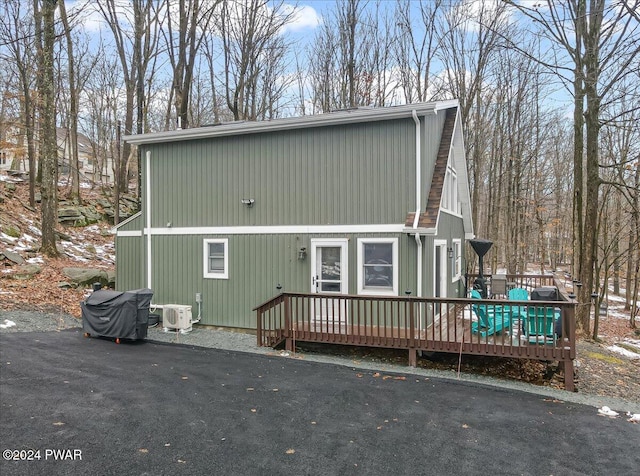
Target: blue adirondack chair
pixel 491 319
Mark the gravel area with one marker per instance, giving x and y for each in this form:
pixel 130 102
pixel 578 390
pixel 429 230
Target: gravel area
pixel 205 336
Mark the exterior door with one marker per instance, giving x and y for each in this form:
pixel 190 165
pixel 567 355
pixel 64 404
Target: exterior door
pixel 329 276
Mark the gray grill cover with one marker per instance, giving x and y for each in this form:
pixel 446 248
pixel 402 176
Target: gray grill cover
pixel 117 314
pixel 545 293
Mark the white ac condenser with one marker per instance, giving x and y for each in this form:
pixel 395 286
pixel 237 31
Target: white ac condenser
pixel 176 317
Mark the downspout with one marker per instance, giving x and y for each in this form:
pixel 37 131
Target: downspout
pixel 416 219
pixel 148 215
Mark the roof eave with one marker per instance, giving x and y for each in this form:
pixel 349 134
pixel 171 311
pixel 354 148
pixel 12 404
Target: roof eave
pixel 320 120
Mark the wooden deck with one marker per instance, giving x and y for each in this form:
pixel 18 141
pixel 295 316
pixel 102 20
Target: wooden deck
pixel 416 324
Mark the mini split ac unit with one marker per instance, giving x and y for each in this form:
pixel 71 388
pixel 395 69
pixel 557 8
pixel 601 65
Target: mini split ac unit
pixel 176 316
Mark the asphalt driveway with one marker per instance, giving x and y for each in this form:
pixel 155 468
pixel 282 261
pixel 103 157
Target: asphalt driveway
pixel 155 408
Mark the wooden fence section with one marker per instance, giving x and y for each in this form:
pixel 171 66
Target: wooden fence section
pixel 542 330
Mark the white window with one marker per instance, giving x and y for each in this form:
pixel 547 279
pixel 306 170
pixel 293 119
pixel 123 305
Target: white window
pixel 450 191
pixel 378 266
pixel 216 258
pixel 457 257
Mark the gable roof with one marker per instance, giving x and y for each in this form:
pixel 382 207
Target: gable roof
pixel 451 145
pixel 357 115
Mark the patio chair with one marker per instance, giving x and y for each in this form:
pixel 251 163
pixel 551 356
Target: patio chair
pixel 540 323
pixel 518 294
pixel 491 319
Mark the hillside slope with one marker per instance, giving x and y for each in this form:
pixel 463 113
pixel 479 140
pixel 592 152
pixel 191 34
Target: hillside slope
pixel 80 247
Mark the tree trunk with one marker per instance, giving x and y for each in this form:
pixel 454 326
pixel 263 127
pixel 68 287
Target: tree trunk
pixel 117 175
pixel 49 147
pixel 74 162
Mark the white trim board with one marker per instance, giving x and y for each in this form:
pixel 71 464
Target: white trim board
pixel 270 230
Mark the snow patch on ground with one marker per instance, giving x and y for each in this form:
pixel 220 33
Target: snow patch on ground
pixel 7 323
pixel 622 351
pixel 606 411
pixel 6 237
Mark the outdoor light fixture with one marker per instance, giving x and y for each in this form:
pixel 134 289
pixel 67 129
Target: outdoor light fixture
pixel 248 202
pixel 302 253
pixel 450 251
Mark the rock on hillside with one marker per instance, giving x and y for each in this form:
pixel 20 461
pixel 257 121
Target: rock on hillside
pixel 31 281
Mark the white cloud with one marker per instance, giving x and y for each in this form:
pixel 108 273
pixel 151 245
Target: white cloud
pixel 475 12
pixel 86 13
pixel 303 17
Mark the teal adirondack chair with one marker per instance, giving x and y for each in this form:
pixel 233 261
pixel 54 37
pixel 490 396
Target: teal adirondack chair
pixel 491 319
pixel 518 294
pixel 540 324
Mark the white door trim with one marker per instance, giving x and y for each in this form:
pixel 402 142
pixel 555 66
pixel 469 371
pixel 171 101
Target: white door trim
pixel 343 243
pixel 442 244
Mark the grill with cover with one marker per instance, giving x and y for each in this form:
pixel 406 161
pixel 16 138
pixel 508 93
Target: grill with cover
pixel 117 314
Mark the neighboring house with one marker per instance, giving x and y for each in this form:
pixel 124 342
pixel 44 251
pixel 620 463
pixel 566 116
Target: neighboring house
pixel 90 168
pixel 363 202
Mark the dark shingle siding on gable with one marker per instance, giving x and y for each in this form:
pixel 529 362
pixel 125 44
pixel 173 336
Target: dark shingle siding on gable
pixel 429 218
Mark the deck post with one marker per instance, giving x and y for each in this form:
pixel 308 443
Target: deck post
pixel 568 376
pixel 412 357
pixel 412 325
pixel 259 327
pixel 288 330
pixel 412 335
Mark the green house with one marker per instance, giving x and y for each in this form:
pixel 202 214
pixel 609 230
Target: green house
pixel 368 201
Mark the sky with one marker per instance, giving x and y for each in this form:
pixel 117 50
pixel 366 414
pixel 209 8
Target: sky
pixel 309 17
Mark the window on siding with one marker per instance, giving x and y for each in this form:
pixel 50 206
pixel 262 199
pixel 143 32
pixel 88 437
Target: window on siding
pixel 216 259
pixel 457 257
pixel 450 192
pixel 378 266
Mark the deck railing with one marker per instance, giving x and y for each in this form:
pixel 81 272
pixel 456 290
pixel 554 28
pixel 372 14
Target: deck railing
pixel 542 330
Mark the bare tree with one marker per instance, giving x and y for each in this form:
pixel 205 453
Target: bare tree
pixel 187 24
pixel 599 42
pixel 17 34
pixel 416 46
pixel 350 58
pixel 254 55
pixel 48 148
pixel 134 28
pixel 469 39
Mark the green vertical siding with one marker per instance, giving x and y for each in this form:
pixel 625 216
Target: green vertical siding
pixel 336 175
pixel 130 260
pixel 257 264
pixel 360 173
pixel 130 267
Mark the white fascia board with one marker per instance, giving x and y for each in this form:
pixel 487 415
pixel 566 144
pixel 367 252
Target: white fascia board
pixel 422 231
pixel 460 161
pixel 129 233
pixel 443 105
pixel 276 230
pixel 319 120
pixel 114 229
